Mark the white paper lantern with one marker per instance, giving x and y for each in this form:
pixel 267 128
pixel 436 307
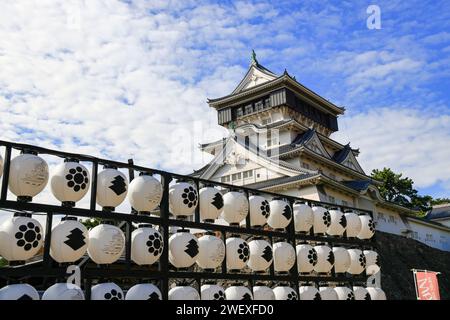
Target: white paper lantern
pixel 376 293
pixel 143 291
pixel 341 259
pixel 322 220
pixel 212 292
pixel 183 249
pixel 238 293
pixel 344 293
pixel 372 265
pixel 20 238
pixel 20 291
pixel 328 293
pixel 285 293
pixel 211 252
pixel 235 207
pixel 106 243
pixel 303 217
pixel 69 181
pixel 325 259
pixel 309 293
pixel 69 242
pixel 283 256
pixel 261 255
pixel 145 193
pixel 146 245
pixel 211 204
pixel 106 291
pixel 112 186
pixel 28 175
pixel 367 227
pixel 63 291
pixel 306 258
pixel 237 253
pixel 338 223
pixel 183 199
pixel 357 261
pixel 361 293
pixel 263 293
pixel 353 224
pixel 259 211
pixel 280 214
pixel 183 293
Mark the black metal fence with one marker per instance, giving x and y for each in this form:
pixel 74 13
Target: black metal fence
pixel 125 271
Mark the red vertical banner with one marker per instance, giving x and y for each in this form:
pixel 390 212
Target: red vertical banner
pixel 427 287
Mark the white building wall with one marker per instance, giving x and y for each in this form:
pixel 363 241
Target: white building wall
pixel 430 235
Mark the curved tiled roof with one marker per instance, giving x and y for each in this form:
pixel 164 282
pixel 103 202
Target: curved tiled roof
pixel 439 212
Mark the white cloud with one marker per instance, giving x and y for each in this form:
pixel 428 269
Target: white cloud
pixel 414 142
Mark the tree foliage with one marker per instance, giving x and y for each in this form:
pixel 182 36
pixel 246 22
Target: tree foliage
pixel 400 190
pixel 440 201
pixel 91 223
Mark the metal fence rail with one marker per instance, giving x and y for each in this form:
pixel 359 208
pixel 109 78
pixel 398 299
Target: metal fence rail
pixel 162 272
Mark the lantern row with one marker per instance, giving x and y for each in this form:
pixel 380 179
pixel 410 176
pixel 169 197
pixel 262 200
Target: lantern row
pixel 148 291
pixel 28 176
pixel 21 238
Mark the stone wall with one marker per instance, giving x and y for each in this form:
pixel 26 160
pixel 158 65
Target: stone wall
pixel 399 255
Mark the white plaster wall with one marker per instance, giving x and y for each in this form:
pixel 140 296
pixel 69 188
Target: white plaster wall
pixel 440 238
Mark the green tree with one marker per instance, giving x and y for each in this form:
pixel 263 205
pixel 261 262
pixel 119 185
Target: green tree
pixel 440 201
pixel 91 223
pixel 400 190
pixel 3 262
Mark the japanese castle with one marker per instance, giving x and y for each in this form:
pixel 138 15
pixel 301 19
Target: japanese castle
pixel 280 141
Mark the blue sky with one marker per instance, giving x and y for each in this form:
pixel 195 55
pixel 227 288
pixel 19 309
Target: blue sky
pixel 125 79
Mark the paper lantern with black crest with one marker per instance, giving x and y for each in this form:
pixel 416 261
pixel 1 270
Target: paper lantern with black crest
pixel 303 217
pixel 28 176
pixel 309 293
pixel 306 258
pixel 183 293
pixel 235 207
pixel 69 181
pixel 146 245
pixel 143 291
pixel 338 222
pixel 237 253
pixel 211 252
pixel 112 187
pixel 328 293
pixel 344 293
pixel 70 240
pixel 261 255
pixel 212 292
pixel 211 204
pixel 238 292
pixel 183 249
pixel 106 291
pixel 376 293
pixel 341 259
pixel 285 293
pixel 106 243
pixel 63 291
pixel 353 224
pixel 183 199
pixel 372 265
pixel 357 261
pixel 145 193
pixel 263 293
pixel 361 293
pixel 21 237
pixel 20 291
pixel 283 256
pixel 325 259
pixel 259 211
pixel 322 220
pixel 280 213
pixel 367 227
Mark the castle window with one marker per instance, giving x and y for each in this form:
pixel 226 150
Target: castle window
pixel 429 237
pixel 248 109
pixel 225 179
pixel 344 203
pixel 267 103
pixel 392 219
pixel 239 112
pixel 247 174
pixel 305 165
pixel 236 176
pixel 331 199
pixel 259 106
